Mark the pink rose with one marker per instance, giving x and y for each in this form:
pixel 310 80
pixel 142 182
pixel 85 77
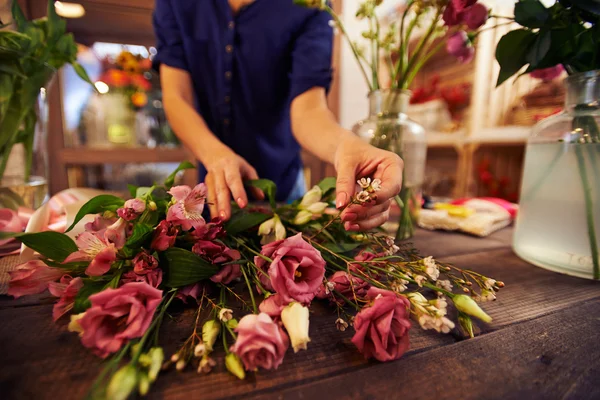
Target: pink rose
pixel 32 277
pixel 348 285
pixel 260 342
pixel 454 12
pixel 152 277
pixel 188 206
pixel 95 249
pixel 164 236
pixel 476 16
pixel 460 47
pixel 215 252
pixel 547 74
pixel 382 327
pixel 10 222
pixel 118 315
pixel 66 290
pixel 297 269
pixel 132 209
pixel 272 306
pixel 144 263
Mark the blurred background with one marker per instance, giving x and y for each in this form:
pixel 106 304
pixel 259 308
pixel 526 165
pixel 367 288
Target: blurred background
pixel 475 133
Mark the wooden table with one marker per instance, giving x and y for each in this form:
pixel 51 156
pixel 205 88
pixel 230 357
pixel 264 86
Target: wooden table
pixel 544 343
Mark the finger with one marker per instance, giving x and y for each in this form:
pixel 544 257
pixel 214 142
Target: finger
pixel 250 173
pixel 344 184
pixel 357 213
pixel 390 174
pixel 234 181
pixel 212 195
pixel 223 195
pixel 371 223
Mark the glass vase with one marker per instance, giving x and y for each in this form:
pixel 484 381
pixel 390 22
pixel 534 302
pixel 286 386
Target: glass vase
pixel 120 119
pixel 558 225
pixel 388 127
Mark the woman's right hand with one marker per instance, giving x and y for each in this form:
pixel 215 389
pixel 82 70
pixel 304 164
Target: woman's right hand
pixel 226 173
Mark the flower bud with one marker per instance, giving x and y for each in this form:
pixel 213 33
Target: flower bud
pixel 143 384
pixel 311 197
pixel 302 217
pixel 199 350
pixel 234 365
pixel 317 208
pixel 156 356
pixel 466 324
pixel 152 205
pixel 467 305
pixel 295 320
pixel 271 230
pixel 225 314
pixel 210 333
pixel 180 365
pixel 122 383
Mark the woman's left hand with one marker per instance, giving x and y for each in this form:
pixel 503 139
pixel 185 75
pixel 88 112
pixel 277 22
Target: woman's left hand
pixel 355 159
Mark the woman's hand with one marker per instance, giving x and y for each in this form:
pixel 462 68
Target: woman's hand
pixel 355 159
pixel 226 173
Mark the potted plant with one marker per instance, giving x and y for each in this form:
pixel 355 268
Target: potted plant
pixel 30 56
pixel 558 226
pixel 452 24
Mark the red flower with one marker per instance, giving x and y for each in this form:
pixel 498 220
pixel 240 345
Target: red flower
pixel 164 236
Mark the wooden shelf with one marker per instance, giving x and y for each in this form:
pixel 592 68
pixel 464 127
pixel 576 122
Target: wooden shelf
pixel 442 139
pixel 501 135
pixel 122 155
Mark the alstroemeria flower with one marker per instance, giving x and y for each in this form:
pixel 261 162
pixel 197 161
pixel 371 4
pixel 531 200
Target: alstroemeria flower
pixel 131 209
pixel 32 277
pixel 188 206
pixel 311 205
pixel 100 224
pixel 271 230
pixel 66 290
pixel 165 235
pixel 117 233
pixel 92 248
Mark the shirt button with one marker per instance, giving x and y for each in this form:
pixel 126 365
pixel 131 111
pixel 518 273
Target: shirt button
pixel 227 99
pixel 229 48
pixel 226 122
pixel 228 75
pixel 231 25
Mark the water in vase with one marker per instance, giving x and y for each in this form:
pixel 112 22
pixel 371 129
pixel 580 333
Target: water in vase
pixel 552 229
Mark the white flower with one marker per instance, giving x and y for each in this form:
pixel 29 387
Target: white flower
pixel 295 320
pixel 225 314
pixel 392 250
pixel 431 268
pixel 329 287
pixel 311 197
pixel 420 279
pixel 180 365
pixel 363 196
pixel 487 295
pixel 341 325
pixel 311 205
pixel 302 217
pixel 175 357
pixel 206 365
pixel 444 284
pixel 364 182
pixel 271 230
pixel 440 324
pixel 199 350
pixel 490 283
pixel 389 241
pixel 376 185
pixel 317 208
pixel 398 286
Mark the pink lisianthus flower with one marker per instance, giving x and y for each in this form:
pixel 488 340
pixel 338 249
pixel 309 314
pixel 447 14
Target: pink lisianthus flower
pixel 152 277
pixel 66 290
pixel 348 285
pixel 215 252
pixel 165 235
pixel 382 327
pixel 260 342
pixel 547 74
pixel 211 231
pixel 32 277
pixel 188 206
pixel 296 271
pixel 272 306
pixel 459 46
pixel 131 209
pixel 118 315
pixel 194 291
pixel 227 274
pixel 117 233
pixel 93 248
pixel 144 263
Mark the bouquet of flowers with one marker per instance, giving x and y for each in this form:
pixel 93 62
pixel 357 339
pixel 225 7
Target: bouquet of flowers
pixel 129 74
pixel 268 263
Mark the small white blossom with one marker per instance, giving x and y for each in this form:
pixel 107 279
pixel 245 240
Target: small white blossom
pixel 329 287
pixel 225 314
pixel 419 279
pixel 376 185
pixel 271 230
pixel 180 365
pixel 440 324
pixel 490 283
pixel 341 325
pixel 206 365
pixel 392 250
pixel 398 286
pixel 199 350
pixel 175 357
pixel 364 182
pixel 363 196
pixel 487 295
pixel 444 284
pixel 431 268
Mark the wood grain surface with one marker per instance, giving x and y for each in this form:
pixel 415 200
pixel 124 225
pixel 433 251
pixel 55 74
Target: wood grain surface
pixel 543 343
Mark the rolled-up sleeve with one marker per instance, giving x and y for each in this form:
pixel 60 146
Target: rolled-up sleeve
pixel 311 56
pixel 169 42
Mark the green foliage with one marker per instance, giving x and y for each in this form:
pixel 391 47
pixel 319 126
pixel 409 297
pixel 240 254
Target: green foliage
pixel 53 245
pixel 242 221
pixel 171 178
pixel 97 205
pixel 267 187
pixel 327 186
pixel 566 33
pixel 184 267
pixel 141 233
pixel 82 299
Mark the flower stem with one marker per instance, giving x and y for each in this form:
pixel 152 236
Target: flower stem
pixel 249 290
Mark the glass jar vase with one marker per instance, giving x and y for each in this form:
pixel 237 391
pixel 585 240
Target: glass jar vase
pixel 558 225
pixel 388 127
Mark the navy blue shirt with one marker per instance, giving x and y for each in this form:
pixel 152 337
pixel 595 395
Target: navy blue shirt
pixel 246 69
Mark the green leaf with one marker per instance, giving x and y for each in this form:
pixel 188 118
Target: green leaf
pixel 171 178
pixel 242 221
pixel 53 245
pixel 268 187
pixel 184 267
pixel 12 68
pixel 90 287
pixel 97 205
pixel 327 185
pixel 141 233
pixel 132 190
pixel 539 49
pixel 342 247
pixel 18 16
pixel 512 51
pixel 142 191
pixel 531 13
pixel 56 25
pixel 81 72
